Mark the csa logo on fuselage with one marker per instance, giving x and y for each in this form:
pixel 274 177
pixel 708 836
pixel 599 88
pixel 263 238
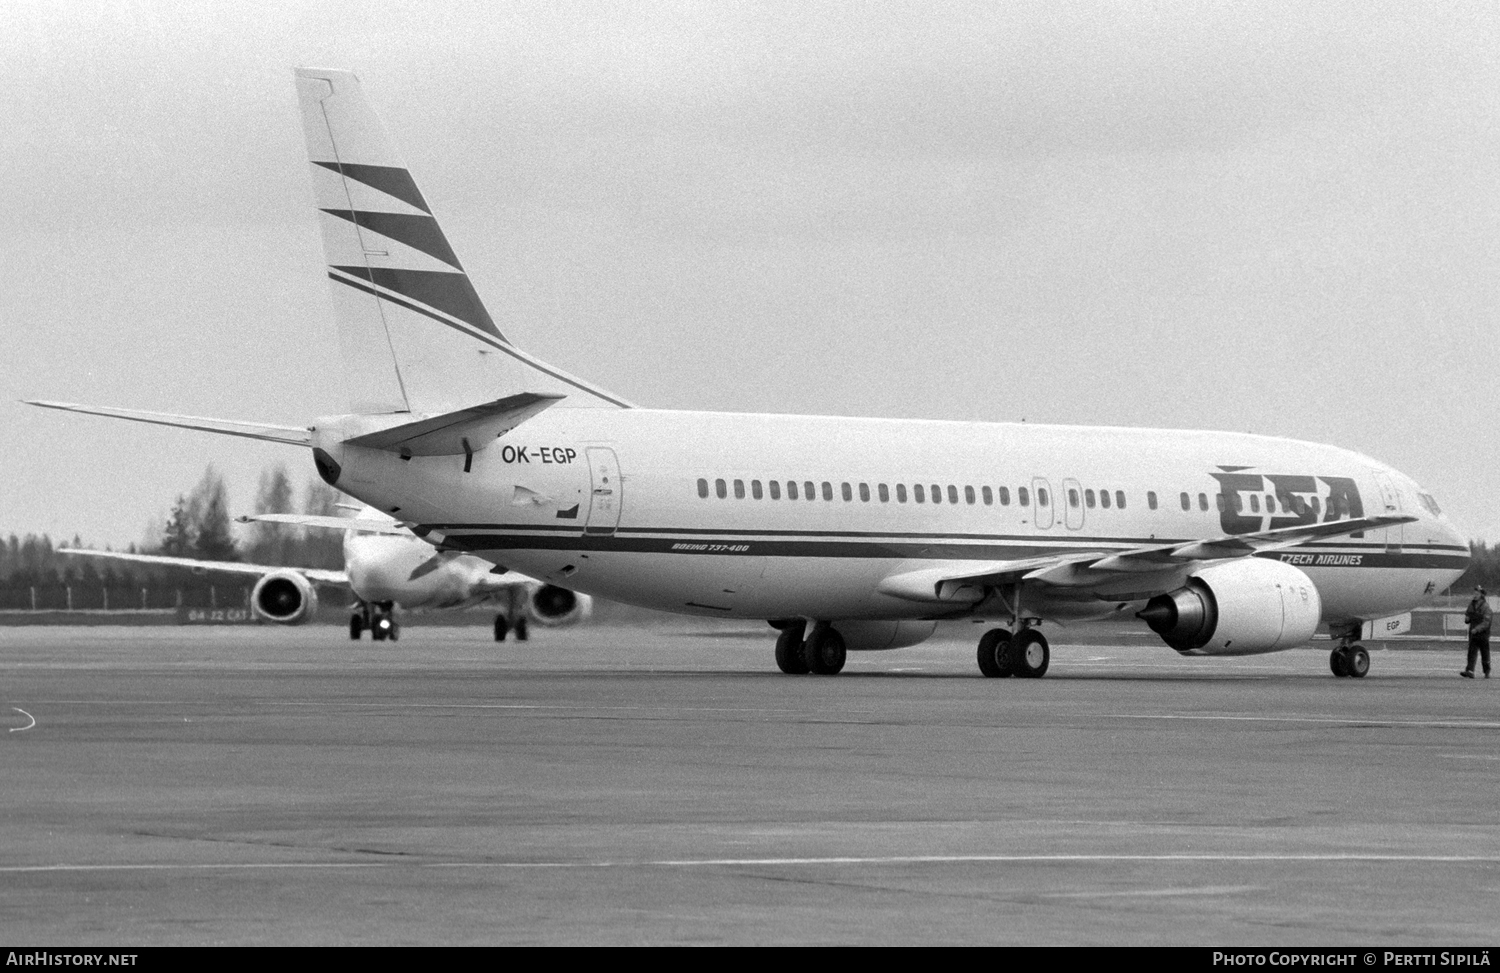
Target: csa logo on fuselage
pixel 1299 500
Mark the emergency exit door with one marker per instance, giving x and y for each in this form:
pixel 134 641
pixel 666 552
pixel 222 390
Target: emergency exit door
pixel 604 493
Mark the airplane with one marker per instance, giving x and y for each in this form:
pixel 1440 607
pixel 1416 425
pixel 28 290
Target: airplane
pixel 386 567
pixel 847 534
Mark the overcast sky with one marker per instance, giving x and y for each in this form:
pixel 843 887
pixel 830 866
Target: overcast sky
pixel 1273 217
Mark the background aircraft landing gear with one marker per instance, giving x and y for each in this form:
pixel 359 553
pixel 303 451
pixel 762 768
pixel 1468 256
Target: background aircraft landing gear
pixel 382 625
pixel 994 654
pixel 1349 660
pixel 356 626
pixel 502 628
pixel 789 649
pixel 520 628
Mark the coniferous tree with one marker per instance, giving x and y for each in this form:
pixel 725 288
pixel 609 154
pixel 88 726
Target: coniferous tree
pixel 177 538
pixel 209 504
pixel 274 543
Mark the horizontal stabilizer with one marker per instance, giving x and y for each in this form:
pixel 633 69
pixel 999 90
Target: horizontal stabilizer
pixel 293 435
pixel 330 523
pixel 464 431
pixel 198 567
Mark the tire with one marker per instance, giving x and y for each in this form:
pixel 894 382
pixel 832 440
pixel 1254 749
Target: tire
pixel 789 650
pixel 1030 655
pixel 395 632
pixel 521 633
pixel 502 628
pixel 824 653
pixel 377 631
pixel 994 653
pixel 1338 662
pixel 356 626
pixel 1358 663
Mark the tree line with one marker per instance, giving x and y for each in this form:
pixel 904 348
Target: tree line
pixel 198 525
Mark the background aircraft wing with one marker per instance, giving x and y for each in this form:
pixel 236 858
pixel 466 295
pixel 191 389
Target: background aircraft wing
pixel 331 523
pixel 967 581
pixel 230 567
pixel 293 435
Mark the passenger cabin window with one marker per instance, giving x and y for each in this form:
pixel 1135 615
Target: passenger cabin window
pixel 937 493
pixel 918 494
pixel 827 490
pixel 1313 503
pixel 1041 498
pixel 1150 499
pixel 739 489
pixel 703 488
pixel 1270 504
pixel 1254 502
pixel 1186 503
pixel 775 486
pixel 988 495
pixel 721 489
pixel 1219 499
pixel 791 489
pixel 953 494
pixel 864 492
pixel 1005 497
pixel 1088 499
pixel 885 494
pixel 1103 499
pixel 1023 496
pixel 847 492
pixel 1120 500
pixel 808 490
pixel 1202 501
pixel 755 489
pixel 1073 498
pixel 900 492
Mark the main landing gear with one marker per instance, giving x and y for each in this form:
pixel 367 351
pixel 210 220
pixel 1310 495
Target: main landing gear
pixel 377 619
pixel 503 627
pixel 1349 658
pixel 821 652
pixel 1024 655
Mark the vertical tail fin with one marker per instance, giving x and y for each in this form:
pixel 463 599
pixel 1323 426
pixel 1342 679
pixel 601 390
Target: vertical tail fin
pixel 414 334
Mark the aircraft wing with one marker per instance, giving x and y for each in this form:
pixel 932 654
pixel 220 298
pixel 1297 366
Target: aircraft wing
pixel 967 580
pixel 330 523
pixel 293 435
pixel 229 567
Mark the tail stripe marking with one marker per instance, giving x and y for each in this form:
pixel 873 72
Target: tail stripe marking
pixel 418 232
pixel 499 344
pixel 388 179
pixel 451 294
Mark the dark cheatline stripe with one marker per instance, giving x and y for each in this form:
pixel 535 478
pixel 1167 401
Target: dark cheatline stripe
pixel 418 232
pixel 850 548
pixel 388 179
pixel 450 293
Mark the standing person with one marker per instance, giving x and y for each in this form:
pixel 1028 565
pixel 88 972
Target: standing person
pixel 1478 617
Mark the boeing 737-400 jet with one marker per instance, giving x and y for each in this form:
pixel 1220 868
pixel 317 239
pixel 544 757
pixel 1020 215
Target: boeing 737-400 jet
pixel 387 567
pixel 847 534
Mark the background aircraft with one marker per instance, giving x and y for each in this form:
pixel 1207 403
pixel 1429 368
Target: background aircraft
pixel 387 567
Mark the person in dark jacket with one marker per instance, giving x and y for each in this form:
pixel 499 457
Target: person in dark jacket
pixel 1478 618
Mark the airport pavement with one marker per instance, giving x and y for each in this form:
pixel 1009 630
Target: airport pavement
pixel 614 784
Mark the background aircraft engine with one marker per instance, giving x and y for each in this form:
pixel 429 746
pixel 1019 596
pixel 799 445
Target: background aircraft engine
pixel 873 636
pixel 553 606
pixel 285 597
pixel 1237 608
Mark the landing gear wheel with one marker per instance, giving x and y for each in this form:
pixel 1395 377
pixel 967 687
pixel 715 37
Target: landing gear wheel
pixel 502 628
pixel 1029 654
pixel 521 633
pixel 994 653
pixel 824 652
pixel 1357 661
pixel 1338 661
pixel 356 626
pixel 381 627
pixel 395 632
pixel 789 650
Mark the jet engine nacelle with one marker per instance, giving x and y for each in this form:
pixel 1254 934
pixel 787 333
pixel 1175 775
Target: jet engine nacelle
pixel 284 597
pixel 553 606
pixel 874 636
pixel 1239 607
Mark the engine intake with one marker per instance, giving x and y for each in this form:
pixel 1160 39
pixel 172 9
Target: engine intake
pixel 284 597
pixel 553 606
pixel 1241 607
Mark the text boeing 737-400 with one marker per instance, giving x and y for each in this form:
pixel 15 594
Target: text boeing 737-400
pixel 846 533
